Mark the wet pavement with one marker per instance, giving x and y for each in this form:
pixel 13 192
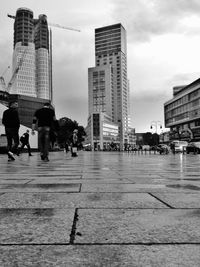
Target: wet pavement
pixel 100 209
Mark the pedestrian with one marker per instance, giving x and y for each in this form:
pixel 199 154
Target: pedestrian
pixel 172 147
pixel 74 143
pixel 66 147
pixel 11 123
pixel 44 117
pixel 24 139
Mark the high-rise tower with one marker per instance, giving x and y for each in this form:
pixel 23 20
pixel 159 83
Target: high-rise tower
pixel 31 55
pixel 24 54
pixel 111 52
pixel 110 48
pixel 42 57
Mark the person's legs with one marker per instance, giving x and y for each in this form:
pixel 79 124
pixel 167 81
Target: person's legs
pixel 46 143
pixel 29 149
pixel 16 141
pixel 21 148
pixel 43 140
pixel 40 141
pixel 9 136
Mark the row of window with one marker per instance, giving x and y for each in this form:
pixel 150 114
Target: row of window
pixel 183 108
pixel 186 115
pixel 112 54
pixel 184 99
pixel 107 41
pixel 106 33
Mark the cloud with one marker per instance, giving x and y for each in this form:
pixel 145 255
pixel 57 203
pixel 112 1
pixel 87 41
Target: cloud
pixel 146 109
pixel 73 107
pixel 183 78
pixel 144 19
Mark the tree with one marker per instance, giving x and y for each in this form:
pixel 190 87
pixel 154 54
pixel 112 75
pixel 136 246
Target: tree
pixel 147 138
pixel 67 127
pixel 151 139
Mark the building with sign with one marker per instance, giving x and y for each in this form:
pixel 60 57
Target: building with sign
pixel 182 113
pixel 102 134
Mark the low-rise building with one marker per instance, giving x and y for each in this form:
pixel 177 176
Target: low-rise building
pixel 102 134
pixel 182 113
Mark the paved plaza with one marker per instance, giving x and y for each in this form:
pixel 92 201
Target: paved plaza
pixel 100 209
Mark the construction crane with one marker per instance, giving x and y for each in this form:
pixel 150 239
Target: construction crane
pixel 52 24
pixel 2 80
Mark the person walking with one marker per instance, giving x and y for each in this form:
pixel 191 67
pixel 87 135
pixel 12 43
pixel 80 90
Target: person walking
pixel 44 117
pixel 74 143
pixel 11 123
pixel 24 139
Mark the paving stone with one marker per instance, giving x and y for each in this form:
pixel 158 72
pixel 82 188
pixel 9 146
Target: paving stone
pixel 131 188
pixel 76 200
pixel 28 226
pixel 138 226
pixel 40 188
pixel 57 180
pixel 38 177
pixel 14 181
pixel 100 256
pixel 123 203
pixel 180 200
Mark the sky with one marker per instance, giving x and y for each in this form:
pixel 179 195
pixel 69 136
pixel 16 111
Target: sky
pixel 163 40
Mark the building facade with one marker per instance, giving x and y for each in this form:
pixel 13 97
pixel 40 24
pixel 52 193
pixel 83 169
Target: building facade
pixel 102 134
pixel 108 85
pixel 31 60
pixel 182 113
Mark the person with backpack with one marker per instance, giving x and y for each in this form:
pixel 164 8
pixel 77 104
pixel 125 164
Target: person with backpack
pixel 24 139
pixel 74 143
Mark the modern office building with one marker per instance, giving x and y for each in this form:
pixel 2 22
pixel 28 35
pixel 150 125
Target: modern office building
pixel 182 113
pixel 108 85
pixel 31 57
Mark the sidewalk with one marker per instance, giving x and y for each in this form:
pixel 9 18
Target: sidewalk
pixel 100 209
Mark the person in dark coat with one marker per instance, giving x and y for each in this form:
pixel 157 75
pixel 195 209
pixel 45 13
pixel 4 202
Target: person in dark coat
pixel 24 139
pixel 11 122
pixel 44 117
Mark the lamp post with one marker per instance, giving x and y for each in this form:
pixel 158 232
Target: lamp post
pixel 156 124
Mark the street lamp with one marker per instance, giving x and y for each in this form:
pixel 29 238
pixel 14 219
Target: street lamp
pixel 156 124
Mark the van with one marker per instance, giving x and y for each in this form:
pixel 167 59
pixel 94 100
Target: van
pixel 180 146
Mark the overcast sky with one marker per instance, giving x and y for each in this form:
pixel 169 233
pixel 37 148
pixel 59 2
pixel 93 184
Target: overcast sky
pixel 163 40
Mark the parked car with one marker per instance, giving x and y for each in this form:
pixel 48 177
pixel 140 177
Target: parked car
pixel 146 147
pixel 193 147
pixel 180 146
pixel 163 149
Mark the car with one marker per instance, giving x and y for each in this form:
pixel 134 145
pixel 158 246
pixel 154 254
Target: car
pixel 193 147
pixel 180 146
pixel 146 147
pixel 163 148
